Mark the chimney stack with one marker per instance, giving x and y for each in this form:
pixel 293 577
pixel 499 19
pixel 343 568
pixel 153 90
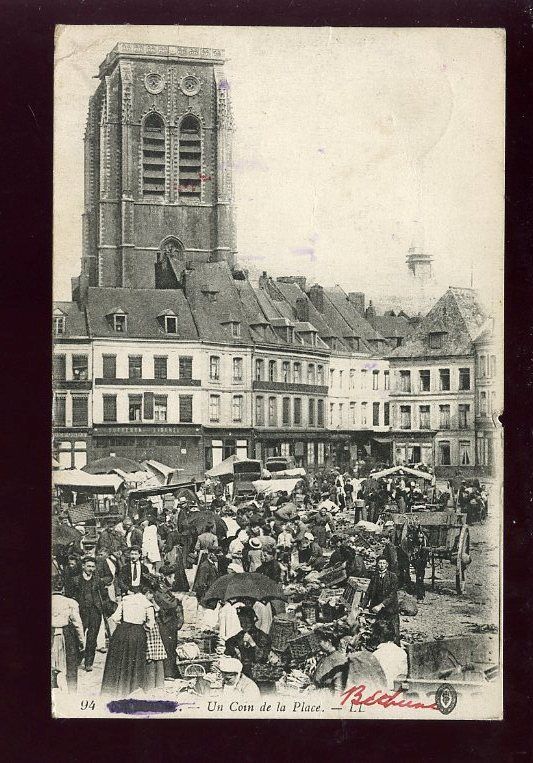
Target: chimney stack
pixel 357 298
pixel 300 280
pixel 316 295
pixel 302 310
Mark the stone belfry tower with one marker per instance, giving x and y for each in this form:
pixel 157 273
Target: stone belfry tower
pixel 157 165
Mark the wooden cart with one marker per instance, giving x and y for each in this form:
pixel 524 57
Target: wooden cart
pixel 448 538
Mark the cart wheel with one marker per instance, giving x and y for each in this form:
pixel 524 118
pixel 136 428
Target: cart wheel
pixel 463 559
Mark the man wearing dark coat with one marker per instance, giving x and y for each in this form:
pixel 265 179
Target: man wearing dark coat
pixel 250 645
pixel 90 591
pixel 381 596
pixel 132 573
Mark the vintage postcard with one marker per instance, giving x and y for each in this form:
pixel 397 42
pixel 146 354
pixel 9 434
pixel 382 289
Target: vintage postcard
pixel 278 347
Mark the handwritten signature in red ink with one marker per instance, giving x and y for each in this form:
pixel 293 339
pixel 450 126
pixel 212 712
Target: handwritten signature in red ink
pixel 355 696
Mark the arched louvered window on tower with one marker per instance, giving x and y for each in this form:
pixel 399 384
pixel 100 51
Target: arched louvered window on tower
pixel 153 142
pixel 190 158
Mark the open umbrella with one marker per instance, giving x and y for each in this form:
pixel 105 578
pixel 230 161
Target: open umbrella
pixel 108 464
pixel 242 585
pixel 202 519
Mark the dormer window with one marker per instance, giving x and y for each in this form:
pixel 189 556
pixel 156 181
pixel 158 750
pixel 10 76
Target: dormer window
pixel 171 324
pixel 59 325
pixel 290 334
pixel 119 323
pixel 435 340
pixel 235 329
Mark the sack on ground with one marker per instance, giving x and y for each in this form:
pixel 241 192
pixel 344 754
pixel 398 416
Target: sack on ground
pixel 407 604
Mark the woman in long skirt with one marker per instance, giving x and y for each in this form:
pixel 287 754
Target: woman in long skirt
pixel 169 617
pixel 125 667
pixel 67 637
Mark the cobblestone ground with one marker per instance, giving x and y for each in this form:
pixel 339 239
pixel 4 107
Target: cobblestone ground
pixel 441 614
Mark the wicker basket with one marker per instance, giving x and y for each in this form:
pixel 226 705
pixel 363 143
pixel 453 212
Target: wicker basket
pixel 310 611
pixel 263 673
pixel 283 629
pixel 197 667
pixel 305 646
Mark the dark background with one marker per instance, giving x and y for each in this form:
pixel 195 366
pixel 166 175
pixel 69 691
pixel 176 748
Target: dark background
pixel 26 122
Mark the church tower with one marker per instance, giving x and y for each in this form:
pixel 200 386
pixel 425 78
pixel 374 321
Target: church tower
pixel 157 165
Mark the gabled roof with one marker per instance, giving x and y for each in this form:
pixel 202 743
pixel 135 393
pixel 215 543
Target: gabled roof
pixel 143 307
pixel 458 314
pixel 291 292
pixel 392 326
pixel 75 320
pixel 349 318
pixel 212 317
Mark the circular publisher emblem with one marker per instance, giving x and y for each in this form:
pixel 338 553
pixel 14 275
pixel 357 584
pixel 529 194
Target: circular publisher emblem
pixel 190 85
pixel 154 83
pixel 445 698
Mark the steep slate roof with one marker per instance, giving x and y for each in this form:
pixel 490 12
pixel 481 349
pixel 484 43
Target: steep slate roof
pixel 143 306
pixel 212 318
pixel 75 320
pixel 392 326
pixel 346 320
pixel 457 312
pixel 276 312
pixel 292 292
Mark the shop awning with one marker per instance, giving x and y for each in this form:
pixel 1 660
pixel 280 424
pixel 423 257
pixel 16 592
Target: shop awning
pixel 403 470
pixel 77 480
pixel 383 440
pixel 273 486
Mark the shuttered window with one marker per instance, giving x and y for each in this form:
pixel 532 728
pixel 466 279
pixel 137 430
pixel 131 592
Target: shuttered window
pixel 80 411
pixel 109 366
pixel 185 368
pixel 60 367
pixel 186 409
pixel 320 413
pixel 60 410
pixel 286 410
pixel 297 411
pixel 311 418
pixel 110 407
pixel 160 367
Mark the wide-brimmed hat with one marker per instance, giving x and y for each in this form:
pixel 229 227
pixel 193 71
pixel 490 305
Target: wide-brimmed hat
pixel 255 543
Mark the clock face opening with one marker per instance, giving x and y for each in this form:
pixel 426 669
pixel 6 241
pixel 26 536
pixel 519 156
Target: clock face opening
pixel 154 82
pixel 190 85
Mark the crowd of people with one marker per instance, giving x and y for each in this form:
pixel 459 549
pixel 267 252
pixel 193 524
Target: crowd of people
pixel 133 585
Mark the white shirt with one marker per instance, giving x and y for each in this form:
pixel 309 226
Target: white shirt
pixel 150 547
pixel 135 608
pixel 285 539
pixel 393 660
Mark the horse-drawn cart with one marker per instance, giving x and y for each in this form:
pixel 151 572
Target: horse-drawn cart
pixel 448 538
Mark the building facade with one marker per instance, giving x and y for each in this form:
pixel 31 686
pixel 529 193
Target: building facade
pixel 489 402
pixel 433 388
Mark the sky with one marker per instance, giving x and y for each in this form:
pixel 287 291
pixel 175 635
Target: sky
pixel 346 143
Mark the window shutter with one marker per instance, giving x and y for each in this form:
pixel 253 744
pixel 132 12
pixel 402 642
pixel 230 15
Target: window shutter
pixel 186 409
pixel 60 367
pixel 148 405
pixel 109 366
pixel 185 368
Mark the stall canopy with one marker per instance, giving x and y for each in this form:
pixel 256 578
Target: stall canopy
pixel 296 472
pixel 274 486
pixel 77 480
pixel 400 471
pixel 159 470
pixel 224 468
pixel 111 463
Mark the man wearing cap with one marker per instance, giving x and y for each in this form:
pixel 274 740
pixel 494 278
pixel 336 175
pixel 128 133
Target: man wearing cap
pixel 234 682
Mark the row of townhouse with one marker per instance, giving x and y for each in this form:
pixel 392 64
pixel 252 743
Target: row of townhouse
pixel 189 377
